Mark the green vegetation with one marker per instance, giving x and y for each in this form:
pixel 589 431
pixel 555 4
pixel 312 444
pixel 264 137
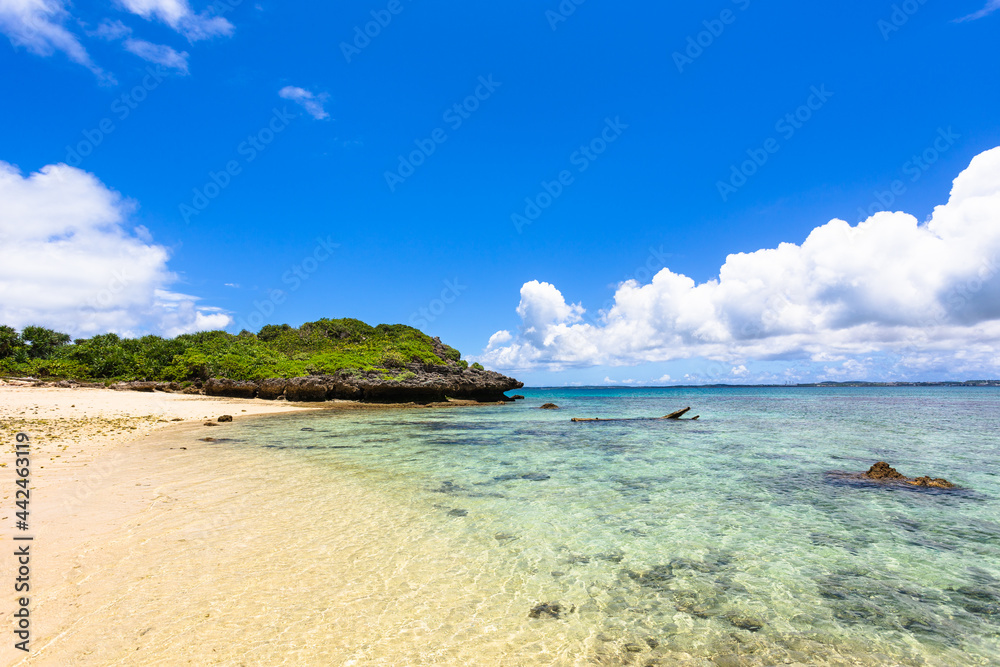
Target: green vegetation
pixel 323 347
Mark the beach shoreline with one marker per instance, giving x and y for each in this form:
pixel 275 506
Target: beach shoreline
pixel 106 463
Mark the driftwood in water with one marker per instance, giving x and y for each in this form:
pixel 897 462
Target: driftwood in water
pixel 673 415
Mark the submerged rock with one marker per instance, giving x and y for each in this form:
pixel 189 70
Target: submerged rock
pixel 550 610
pixel 745 622
pixel 936 482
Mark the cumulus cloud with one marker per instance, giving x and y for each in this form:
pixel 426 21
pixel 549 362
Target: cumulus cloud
pixel 991 6
pixel 178 15
pixel 312 103
pixel 159 54
pixel 69 261
pixel 39 26
pixel 926 292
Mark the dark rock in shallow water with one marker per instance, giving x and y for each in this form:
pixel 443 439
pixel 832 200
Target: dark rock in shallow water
pixel 517 397
pixel 611 556
pixel 882 470
pixel 634 648
pixel 745 623
pixel 656 578
pixel 457 512
pixel 937 482
pixel 449 487
pixel 883 474
pixel 225 418
pixel 550 610
pixel 536 477
pixel 549 406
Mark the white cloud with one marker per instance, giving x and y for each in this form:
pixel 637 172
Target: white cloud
pixel 927 292
pixel 69 261
pixel 312 103
pixel 178 15
pixel 39 26
pixel 159 54
pixel 499 338
pixel 110 31
pixel 991 6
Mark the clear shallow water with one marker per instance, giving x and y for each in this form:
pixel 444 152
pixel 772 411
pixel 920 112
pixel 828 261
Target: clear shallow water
pixel 717 541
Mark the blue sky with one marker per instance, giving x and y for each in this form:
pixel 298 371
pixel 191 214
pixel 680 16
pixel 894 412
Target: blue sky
pixel 642 110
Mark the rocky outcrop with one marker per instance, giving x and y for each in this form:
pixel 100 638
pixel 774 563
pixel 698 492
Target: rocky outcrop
pixel 414 383
pixel 230 388
pixel 883 473
pixel 936 482
pixel 549 406
pixel 882 470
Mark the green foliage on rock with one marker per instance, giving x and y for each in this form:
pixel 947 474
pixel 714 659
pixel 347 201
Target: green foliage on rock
pixel 326 346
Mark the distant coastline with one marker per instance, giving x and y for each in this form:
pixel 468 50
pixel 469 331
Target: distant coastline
pixel 830 385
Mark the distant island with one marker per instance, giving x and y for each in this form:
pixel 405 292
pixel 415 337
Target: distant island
pixel 323 360
pixel 944 383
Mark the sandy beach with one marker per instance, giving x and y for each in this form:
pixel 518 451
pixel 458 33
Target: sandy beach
pixel 88 480
pixel 154 547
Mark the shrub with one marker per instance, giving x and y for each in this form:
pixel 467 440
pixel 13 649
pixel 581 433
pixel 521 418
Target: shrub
pixel 392 359
pixel 478 367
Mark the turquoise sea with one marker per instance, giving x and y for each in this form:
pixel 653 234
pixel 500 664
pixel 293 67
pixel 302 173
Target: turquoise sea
pixel 721 541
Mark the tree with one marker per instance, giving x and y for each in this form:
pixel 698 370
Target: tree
pixel 10 342
pixel 43 342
